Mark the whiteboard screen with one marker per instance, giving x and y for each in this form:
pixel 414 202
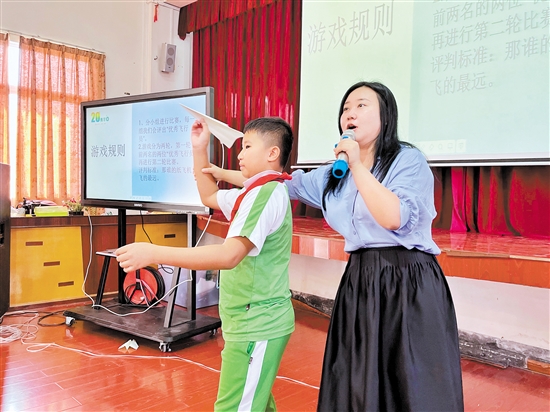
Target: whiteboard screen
pixel 137 152
pixel 471 78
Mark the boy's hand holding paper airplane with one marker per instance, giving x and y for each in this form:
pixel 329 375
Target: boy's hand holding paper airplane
pixel 223 132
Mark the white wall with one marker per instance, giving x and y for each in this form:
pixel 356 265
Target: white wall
pixel 165 31
pixel 514 313
pixel 315 276
pixel 123 30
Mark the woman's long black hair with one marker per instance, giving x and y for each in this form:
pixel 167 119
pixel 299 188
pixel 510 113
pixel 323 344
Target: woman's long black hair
pixel 387 145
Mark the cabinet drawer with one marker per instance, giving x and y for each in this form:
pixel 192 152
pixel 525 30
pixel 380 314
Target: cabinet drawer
pixel 165 234
pixel 46 265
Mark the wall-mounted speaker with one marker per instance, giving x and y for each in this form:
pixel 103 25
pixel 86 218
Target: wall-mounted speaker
pixel 168 58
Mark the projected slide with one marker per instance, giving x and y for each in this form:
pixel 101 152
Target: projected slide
pixel 471 78
pixel 141 151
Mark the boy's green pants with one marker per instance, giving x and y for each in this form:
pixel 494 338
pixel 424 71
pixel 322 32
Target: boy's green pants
pixel 247 375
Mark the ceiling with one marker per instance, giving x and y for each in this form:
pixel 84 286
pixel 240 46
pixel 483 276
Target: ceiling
pixel 179 3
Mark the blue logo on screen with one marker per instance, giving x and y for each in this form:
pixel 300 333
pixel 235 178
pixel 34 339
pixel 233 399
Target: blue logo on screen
pixel 96 117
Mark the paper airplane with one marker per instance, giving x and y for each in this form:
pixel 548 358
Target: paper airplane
pixel 223 132
pixel 131 344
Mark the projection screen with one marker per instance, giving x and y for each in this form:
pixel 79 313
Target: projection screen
pixel 471 78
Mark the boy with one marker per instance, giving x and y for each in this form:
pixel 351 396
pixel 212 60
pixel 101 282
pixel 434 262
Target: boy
pixel 255 308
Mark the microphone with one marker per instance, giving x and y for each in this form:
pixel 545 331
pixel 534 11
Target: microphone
pixel 340 166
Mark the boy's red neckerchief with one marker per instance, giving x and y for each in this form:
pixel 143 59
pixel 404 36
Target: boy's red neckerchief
pixel 258 182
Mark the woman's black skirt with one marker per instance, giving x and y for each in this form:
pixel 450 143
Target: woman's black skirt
pixel 392 343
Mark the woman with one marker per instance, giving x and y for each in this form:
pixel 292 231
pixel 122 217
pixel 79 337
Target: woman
pixel 392 343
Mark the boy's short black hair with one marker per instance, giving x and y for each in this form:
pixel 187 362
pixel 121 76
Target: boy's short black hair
pixel 277 130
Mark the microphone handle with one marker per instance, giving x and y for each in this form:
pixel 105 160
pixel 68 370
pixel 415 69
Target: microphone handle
pixel 340 166
pixel 343 156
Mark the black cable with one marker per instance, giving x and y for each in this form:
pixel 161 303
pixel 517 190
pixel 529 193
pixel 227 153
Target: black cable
pixel 168 270
pixel 35 313
pixel 143 227
pixel 58 313
pixel 21 313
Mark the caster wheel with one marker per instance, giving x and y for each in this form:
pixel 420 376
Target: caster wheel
pixel 164 347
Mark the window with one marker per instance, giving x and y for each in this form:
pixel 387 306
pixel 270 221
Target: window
pixel 47 82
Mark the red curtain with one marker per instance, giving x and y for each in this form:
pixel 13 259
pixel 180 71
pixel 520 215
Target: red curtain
pixel 251 58
pixel 498 200
pixel 249 51
pixel 206 13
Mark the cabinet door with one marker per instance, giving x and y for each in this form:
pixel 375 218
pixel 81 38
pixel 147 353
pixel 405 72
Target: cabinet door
pixel 46 265
pixel 165 234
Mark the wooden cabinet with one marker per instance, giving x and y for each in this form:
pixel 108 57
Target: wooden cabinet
pixel 51 256
pixel 46 265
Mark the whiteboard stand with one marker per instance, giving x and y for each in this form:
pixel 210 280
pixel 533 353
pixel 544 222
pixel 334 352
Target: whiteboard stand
pixel 161 324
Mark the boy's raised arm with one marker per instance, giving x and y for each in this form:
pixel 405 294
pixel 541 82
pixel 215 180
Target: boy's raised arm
pixel 200 139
